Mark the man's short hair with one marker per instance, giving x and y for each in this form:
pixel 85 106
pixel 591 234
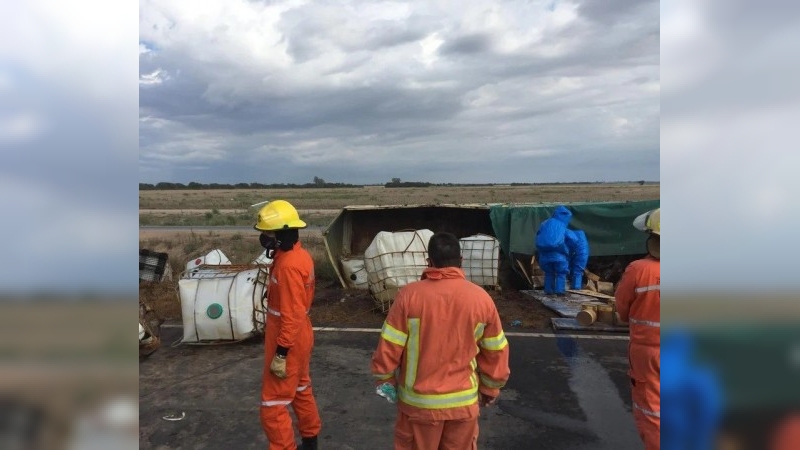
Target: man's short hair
pixel 444 250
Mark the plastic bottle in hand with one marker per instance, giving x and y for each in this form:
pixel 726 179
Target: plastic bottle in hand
pixel 387 391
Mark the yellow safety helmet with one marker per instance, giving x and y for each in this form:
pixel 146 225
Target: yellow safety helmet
pixel 278 215
pixel 649 221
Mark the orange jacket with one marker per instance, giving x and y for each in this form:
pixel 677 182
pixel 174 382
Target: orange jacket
pixel 638 298
pixel 291 291
pixel 441 342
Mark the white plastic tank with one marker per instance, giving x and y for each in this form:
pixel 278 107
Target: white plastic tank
pixel 481 259
pixel 355 273
pixel 393 260
pixel 214 257
pixel 219 304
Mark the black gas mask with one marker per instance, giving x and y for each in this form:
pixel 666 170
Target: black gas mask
pixel 270 243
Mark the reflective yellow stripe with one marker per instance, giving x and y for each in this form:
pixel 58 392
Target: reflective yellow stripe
pixel 490 382
pixel 498 342
pixel 383 376
pixel 438 401
pixel 412 353
pixel 473 377
pixel 479 331
pixel 393 335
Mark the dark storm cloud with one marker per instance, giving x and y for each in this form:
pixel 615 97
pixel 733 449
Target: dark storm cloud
pixel 371 93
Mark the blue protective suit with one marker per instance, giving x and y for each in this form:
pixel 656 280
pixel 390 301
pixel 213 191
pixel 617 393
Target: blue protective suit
pixel 578 259
pixel 691 396
pixel 553 246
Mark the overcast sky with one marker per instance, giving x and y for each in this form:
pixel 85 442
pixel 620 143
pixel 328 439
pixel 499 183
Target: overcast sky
pixel 361 92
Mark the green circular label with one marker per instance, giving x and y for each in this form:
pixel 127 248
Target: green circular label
pixel 214 310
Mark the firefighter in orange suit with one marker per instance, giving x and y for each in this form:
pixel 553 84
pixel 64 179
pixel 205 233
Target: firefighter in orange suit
pixel 288 337
pixel 443 347
pixel 638 298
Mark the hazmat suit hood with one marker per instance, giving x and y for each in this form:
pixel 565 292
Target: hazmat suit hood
pixel 562 214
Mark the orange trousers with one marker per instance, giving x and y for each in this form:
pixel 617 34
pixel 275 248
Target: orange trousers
pixel 411 434
pixel 295 390
pixel 645 362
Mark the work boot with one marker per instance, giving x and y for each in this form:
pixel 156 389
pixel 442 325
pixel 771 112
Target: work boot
pixel 310 443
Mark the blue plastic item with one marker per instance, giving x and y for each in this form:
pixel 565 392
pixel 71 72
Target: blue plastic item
pixel 387 391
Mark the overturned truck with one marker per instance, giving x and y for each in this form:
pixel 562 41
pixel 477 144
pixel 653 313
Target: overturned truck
pixel 613 241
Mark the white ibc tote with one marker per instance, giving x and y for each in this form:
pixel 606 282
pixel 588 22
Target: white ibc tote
pixel 481 258
pixel 214 257
pixel 355 273
pixel 223 303
pixel 393 260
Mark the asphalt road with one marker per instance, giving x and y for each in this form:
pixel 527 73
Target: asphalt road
pixel 564 393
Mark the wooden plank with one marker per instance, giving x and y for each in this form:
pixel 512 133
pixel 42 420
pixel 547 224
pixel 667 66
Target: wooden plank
pixel 591 276
pixel 590 293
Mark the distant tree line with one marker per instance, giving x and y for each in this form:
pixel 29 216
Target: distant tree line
pixel 165 186
pixel 320 183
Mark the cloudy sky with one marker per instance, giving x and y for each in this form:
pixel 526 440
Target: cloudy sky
pixel 443 91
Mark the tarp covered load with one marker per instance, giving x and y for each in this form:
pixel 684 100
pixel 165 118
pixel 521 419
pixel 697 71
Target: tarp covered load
pixel 607 225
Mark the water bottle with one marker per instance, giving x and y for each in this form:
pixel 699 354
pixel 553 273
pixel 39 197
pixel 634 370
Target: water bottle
pixel 387 391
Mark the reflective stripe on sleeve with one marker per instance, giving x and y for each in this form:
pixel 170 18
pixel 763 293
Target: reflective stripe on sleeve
pixel 488 382
pixel 393 335
pixel 498 342
pixel 655 287
pixel 647 323
pixel 479 331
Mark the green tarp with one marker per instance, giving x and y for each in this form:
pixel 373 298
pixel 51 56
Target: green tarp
pixel 757 364
pixel 608 225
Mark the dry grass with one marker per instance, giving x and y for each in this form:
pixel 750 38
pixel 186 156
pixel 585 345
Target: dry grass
pixel 330 198
pixel 215 218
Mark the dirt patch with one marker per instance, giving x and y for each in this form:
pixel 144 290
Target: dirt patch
pixel 162 297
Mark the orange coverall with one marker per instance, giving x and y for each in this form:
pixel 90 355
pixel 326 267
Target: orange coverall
pixel 441 343
pixel 638 299
pixel 289 297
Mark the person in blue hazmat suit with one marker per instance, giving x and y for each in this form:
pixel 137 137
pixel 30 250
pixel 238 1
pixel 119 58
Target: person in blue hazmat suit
pixel 578 259
pixel 691 396
pixel 554 244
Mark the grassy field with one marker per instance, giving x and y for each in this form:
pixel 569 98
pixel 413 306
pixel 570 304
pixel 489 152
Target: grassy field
pixel 333 198
pixel 230 207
